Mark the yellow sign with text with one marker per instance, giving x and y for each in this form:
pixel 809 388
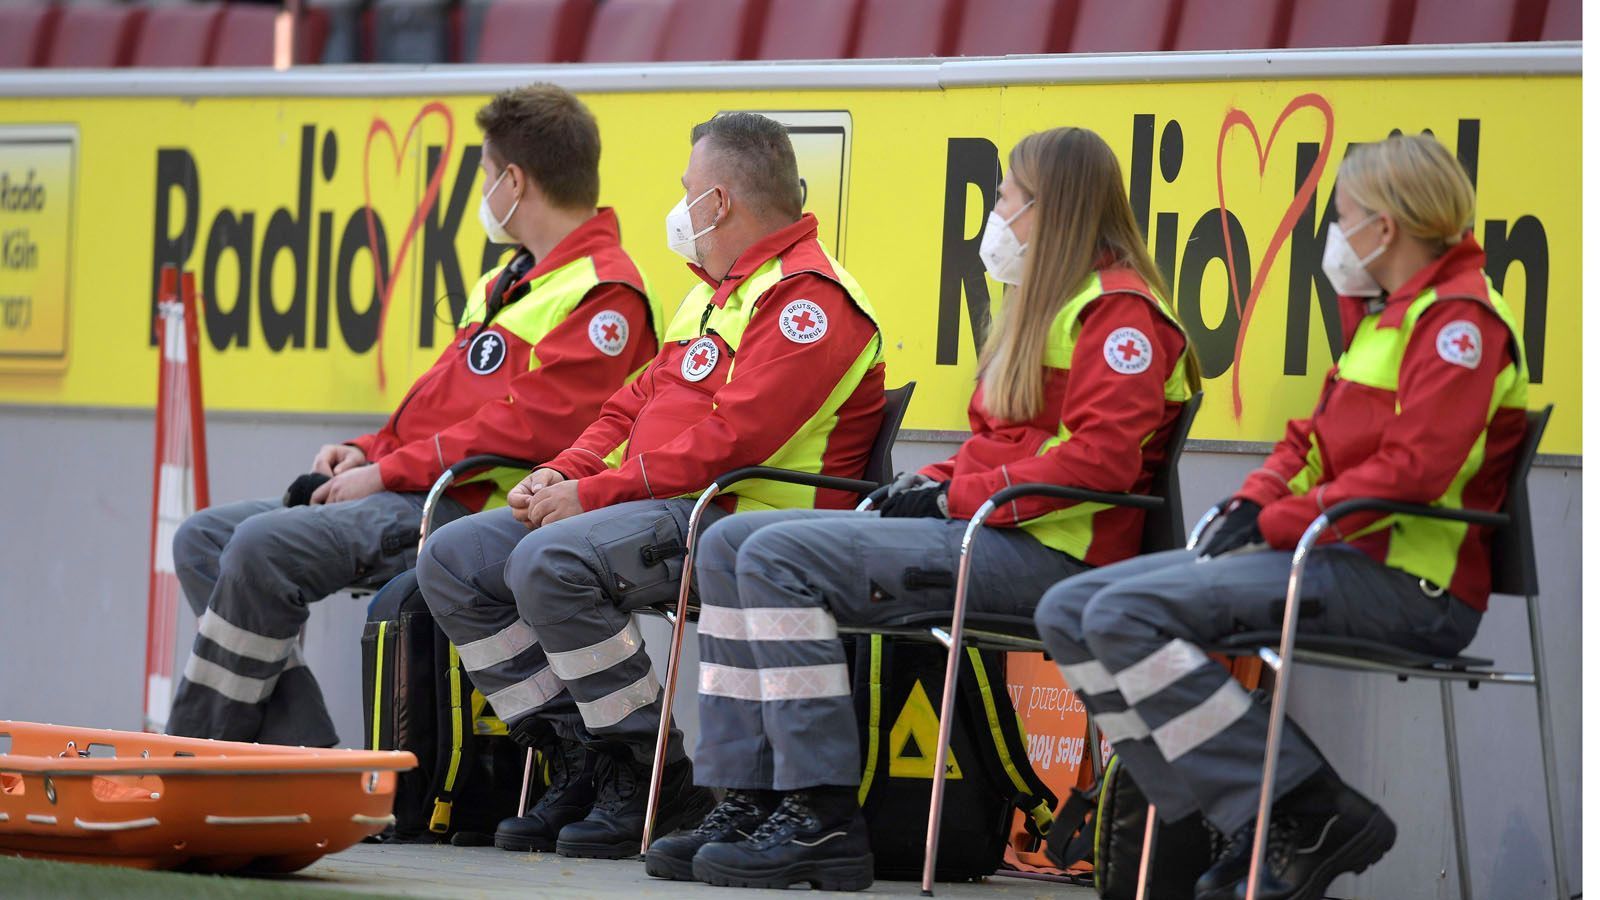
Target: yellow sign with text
pixel 334 238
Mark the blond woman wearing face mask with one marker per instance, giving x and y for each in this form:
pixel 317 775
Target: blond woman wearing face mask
pixel 1079 383
pixel 1425 406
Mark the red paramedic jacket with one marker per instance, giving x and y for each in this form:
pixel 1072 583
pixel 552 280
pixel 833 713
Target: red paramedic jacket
pixel 1118 423
pixel 682 434
pixel 519 409
pixel 1410 444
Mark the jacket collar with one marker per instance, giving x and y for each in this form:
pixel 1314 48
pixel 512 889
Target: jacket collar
pixel 1464 259
pixel 758 254
pixel 600 232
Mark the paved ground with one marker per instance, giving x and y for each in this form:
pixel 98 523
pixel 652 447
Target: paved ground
pixel 441 871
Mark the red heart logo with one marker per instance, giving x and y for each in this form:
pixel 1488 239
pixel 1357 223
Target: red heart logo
pixel 386 279
pixel 1302 199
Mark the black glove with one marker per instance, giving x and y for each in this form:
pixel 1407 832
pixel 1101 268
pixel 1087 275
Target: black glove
pixel 301 489
pixel 1238 529
pixel 917 503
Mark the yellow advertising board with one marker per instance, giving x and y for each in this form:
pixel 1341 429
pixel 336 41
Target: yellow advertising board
pixel 334 236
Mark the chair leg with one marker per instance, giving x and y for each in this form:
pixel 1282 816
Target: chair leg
pixel 1547 747
pixel 1146 854
pixel 527 779
pixel 1457 803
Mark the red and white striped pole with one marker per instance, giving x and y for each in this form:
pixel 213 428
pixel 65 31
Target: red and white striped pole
pixel 180 484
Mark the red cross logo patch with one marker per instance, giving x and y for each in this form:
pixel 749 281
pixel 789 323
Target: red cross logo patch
pixel 608 331
pixel 1127 351
pixel 700 359
pixel 1460 343
pixel 803 322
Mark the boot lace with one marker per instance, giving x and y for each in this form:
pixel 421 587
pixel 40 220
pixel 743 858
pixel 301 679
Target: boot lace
pixel 726 815
pixel 791 812
pixel 617 781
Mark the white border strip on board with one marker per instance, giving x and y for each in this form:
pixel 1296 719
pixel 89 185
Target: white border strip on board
pixel 1533 58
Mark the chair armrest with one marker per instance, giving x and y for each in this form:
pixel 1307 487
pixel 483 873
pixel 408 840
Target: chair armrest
pixel 1346 508
pixel 789 476
pixel 487 461
pixel 1064 492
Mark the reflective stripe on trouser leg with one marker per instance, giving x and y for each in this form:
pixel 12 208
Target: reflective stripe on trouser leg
pixel 808 715
pixel 1060 620
pixel 733 750
pixel 574 582
pixel 1202 722
pixel 273 565
pixel 461 576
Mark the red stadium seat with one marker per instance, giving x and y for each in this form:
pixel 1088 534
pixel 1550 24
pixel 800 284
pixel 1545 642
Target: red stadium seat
pixel 1017 26
pixel 1231 25
pixel 702 30
pixel 627 31
pixel 247 32
pixel 809 29
pixel 1474 21
pixel 94 37
pixel 1563 21
pixel 1123 26
pixel 178 35
pixel 534 31
pixel 1349 23
pixel 25 33
pixel 907 28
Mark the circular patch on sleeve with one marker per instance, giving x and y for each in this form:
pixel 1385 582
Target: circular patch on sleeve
pixel 700 359
pixel 1461 343
pixel 486 352
pixel 608 331
pixel 803 322
pixel 1128 351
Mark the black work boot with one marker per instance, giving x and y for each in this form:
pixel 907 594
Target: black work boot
pixel 615 827
pixel 568 798
pixel 738 815
pixel 1230 863
pixel 1320 830
pixel 816 836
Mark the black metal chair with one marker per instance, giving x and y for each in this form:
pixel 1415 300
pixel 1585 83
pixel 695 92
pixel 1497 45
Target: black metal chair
pixel 1513 572
pixel 879 472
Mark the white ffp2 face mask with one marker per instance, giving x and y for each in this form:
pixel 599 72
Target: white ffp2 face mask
pixel 681 237
pixel 496 228
pixel 1002 254
pixel 1346 271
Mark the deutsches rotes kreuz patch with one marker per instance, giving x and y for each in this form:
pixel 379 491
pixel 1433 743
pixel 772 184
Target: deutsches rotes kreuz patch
pixel 1128 351
pixel 803 322
pixel 487 352
pixel 608 331
pixel 700 360
pixel 1460 342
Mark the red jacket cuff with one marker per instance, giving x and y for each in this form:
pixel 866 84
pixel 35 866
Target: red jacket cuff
pixel 1283 522
pixel 968 492
pixel 608 488
pixel 574 464
pixel 1263 487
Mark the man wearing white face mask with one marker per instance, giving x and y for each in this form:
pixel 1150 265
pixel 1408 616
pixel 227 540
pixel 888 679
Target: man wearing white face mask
pixel 543 341
pixel 550 608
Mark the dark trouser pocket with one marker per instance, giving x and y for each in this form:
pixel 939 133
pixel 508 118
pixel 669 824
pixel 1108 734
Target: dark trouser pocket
pixel 642 559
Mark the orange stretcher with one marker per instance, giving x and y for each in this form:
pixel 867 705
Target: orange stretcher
pixel 156 802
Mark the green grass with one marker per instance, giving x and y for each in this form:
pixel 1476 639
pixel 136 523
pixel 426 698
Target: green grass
pixel 38 878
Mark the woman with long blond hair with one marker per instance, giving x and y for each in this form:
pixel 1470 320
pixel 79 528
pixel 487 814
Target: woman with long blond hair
pixel 1425 406
pixel 1079 383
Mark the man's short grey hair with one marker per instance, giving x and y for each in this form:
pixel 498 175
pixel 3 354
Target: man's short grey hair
pixel 756 156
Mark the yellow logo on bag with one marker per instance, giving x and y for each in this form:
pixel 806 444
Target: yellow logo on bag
pixel 914 737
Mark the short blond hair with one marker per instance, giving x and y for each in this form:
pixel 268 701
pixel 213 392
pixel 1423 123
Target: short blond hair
pixel 1413 178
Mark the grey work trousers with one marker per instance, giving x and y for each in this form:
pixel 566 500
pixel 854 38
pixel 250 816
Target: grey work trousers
pixel 543 619
pixel 249 570
pixel 775 705
pixel 1128 639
